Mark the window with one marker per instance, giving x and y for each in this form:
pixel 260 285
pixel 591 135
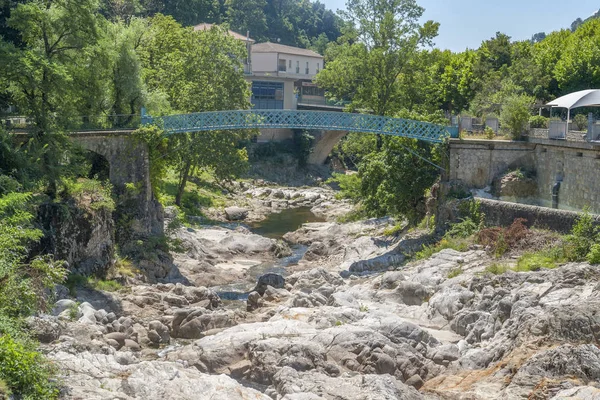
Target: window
pixel 267 95
pixel 297 67
pixel 307 70
pixel 317 68
pixel 281 67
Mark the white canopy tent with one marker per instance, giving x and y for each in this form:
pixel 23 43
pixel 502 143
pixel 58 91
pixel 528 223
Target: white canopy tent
pixel 583 98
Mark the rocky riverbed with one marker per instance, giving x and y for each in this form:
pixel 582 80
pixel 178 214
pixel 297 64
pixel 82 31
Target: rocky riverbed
pixel 329 311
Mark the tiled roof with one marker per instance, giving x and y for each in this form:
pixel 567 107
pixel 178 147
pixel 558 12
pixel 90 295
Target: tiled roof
pixel 269 47
pixel 206 27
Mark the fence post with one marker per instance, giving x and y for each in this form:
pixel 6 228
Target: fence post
pixel 590 132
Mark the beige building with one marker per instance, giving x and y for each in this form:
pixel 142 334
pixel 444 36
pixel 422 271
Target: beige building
pixel 281 78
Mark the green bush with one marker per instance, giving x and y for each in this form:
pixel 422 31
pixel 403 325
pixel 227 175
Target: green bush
pixel 581 121
pixel 515 114
pixel 99 193
pixel 593 257
pixel 579 243
pixel 24 370
pixel 489 133
pixel 349 186
pixel 496 269
pixel 538 121
pixel 463 229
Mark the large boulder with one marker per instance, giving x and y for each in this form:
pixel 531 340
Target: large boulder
pixel 236 213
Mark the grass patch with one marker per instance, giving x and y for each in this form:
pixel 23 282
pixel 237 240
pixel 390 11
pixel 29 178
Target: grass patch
pixel 458 244
pixel 200 192
pixel 75 280
pixel 454 273
pixel 90 191
pixel 548 259
pixel 394 230
pixel 497 269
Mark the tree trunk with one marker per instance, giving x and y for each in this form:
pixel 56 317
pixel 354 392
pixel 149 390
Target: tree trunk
pixel 182 182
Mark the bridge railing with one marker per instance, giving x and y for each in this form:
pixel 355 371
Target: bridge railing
pixel 293 119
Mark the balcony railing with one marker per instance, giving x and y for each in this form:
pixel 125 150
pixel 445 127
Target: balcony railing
pixel 321 101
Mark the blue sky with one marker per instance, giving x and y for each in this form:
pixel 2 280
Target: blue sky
pixel 466 23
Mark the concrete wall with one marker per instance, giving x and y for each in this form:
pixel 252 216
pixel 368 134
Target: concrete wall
pixel 268 62
pixel 475 163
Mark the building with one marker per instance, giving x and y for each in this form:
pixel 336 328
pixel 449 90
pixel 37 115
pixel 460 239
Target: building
pixel 281 78
pixel 281 75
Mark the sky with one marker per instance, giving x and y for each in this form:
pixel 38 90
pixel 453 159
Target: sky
pixel 466 23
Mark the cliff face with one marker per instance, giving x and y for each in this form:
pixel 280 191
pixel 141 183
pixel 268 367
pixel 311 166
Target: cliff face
pixel 80 234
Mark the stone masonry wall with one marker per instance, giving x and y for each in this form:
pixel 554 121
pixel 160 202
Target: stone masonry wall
pixel 576 165
pixel 476 163
pixel 502 213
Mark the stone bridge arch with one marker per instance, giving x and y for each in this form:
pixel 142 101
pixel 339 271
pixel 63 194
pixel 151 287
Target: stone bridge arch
pixel 129 163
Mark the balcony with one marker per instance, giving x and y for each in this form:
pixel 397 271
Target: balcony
pixel 319 101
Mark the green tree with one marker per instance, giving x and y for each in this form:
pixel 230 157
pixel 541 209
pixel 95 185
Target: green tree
pixel 248 16
pixel 198 71
pixel 366 68
pixel 40 71
pixel 515 114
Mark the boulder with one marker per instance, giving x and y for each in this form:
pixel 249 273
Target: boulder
pixel 236 213
pixel 275 280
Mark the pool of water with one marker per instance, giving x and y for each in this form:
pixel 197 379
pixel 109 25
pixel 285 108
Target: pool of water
pixel 278 224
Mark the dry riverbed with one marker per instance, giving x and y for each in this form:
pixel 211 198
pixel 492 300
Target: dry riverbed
pixel 328 311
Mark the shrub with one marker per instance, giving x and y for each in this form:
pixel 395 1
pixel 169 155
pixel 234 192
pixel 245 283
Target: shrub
pixel 581 122
pixel 578 244
pixel 500 240
pixel 25 371
pixel 593 257
pixel 98 193
pixel 538 121
pixel 349 186
pixel 463 229
pixel 515 114
pixel 489 133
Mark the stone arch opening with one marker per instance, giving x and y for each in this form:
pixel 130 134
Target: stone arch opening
pixel 99 167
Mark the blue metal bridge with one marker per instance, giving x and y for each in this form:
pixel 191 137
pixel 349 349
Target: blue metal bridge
pixel 292 119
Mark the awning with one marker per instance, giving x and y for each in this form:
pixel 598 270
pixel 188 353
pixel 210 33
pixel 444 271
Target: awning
pixel 584 98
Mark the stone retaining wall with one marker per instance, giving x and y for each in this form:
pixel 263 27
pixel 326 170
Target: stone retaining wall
pixel 502 213
pixel 475 164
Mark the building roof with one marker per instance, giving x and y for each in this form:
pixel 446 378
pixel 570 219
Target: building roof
pixel 207 27
pixel 269 47
pixel 583 98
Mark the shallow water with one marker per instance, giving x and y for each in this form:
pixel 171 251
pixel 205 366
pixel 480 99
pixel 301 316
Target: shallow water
pixel 278 224
pixel 274 226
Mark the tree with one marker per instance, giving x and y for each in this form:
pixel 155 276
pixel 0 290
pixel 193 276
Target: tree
pixel 366 68
pixel 248 16
pixel 515 114
pixel 198 71
pixel 39 72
